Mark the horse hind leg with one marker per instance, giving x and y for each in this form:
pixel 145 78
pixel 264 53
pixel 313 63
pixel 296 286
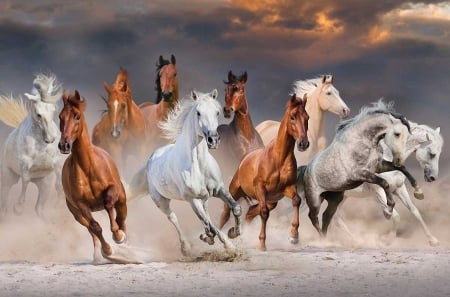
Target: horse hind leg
pixel 333 199
pixel 9 178
pixel 370 177
pixel 237 211
pixel 164 205
pixel 117 222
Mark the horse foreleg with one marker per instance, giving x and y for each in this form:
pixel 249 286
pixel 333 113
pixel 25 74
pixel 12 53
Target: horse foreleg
pixel 236 193
pixel 110 201
pixel 418 193
pixel 405 198
pixel 381 197
pixel 44 191
pixel 333 199
pixel 18 206
pixel 370 177
pixel 314 201
pixel 83 221
pixel 9 178
pixel 291 192
pixel 226 197
pixel 264 212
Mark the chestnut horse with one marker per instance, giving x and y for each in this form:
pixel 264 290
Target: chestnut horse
pixel 122 130
pixel 167 98
pixel 239 137
pixel 90 179
pixel 268 174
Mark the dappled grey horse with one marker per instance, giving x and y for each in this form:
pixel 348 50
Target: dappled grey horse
pixel 352 159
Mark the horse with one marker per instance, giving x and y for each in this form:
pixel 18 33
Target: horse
pixel 239 137
pixel 322 97
pixel 352 159
pixel 267 174
pixel 30 151
pixel 90 178
pixel 122 130
pixel 185 170
pixel 167 98
pixel 427 144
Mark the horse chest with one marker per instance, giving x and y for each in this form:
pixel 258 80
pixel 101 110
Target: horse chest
pixel 39 156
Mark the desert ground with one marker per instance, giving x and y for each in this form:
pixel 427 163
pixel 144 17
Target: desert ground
pixel 54 257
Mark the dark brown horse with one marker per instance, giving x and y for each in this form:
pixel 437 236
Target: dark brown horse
pixel 167 98
pixel 268 174
pixel 90 179
pixel 122 131
pixel 239 137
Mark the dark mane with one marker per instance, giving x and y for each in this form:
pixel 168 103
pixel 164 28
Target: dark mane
pixel 161 64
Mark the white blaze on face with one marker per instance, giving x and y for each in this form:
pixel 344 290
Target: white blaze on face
pixel 116 103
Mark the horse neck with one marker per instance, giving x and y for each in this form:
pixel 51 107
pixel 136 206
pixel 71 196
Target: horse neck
pixel 316 116
pixel 242 121
pixel 82 147
pixel 189 141
pixel 135 116
pixel 284 143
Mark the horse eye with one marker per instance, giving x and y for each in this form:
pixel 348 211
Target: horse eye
pixel 328 93
pixel 432 156
pixel 124 105
pixel 292 117
pixel 175 74
pixel 217 113
pixel 396 134
pixel 77 117
pixel 198 113
pixel 39 116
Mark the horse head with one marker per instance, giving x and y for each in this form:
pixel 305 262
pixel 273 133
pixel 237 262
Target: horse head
pixel 119 100
pixel 329 98
pixel 428 154
pixel 71 120
pixel 235 94
pixel 395 138
pixel 208 111
pixel 297 125
pixel 166 79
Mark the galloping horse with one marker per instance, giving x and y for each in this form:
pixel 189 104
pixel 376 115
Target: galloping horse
pixel 167 98
pixel 239 137
pixel 267 174
pixel 352 159
pixel 427 143
pixel 185 170
pixel 122 130
pixel 322 97
pixel 30 151
pixel 90 178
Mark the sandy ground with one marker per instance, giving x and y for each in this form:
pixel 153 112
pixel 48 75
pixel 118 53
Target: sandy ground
pixel 53 257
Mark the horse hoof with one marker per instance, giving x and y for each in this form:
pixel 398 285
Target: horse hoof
pixel 233 233
pixel 207 239
pixel 185 249
pixel 237 210
pixel 262 248
pixel 434 242
pixel 122 239
pixel 419 195
pixel 387 213
pixel 293 240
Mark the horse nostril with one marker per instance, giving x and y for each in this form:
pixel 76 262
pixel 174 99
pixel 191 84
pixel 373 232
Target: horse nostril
pixel 67 146
pixel 209 139
pixel 59 146
pixel 432 178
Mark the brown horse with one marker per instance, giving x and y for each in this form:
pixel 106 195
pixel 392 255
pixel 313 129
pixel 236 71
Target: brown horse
pixel 268 174
pixel 90 179
pixel 239 137
pixel 167 98
pixel 122 130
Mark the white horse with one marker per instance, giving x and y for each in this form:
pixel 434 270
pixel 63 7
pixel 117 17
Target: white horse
pixel 427 143
pixel 185 170
pixel 322 97
pixel 30 151
pixel 353 159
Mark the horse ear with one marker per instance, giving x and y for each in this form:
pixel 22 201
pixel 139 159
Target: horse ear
pixel 173 60
pixel 214 94
pixel 107 87
pixel 331 78
pixel 231 76
pixel 161 60
pixel 64 97
pixel 244 77
pixel 324 79
pixel 438 130
pixel 294 99
pixel 77 95
pixel 305 99
pixel 193 95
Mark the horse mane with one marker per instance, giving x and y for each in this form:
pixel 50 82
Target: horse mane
pixel 431 131
pixel 158 79
pixel 176 118
pixel 306 86
pixel 376 108
pixel 48 87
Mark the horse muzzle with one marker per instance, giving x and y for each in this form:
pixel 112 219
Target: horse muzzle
pixel 345 113
pixel 397 161
pixel 115 133
pixel 227 112
pixel 213 140
pixel 428 176
pixel 302 145
pixel 65 147
pixel 167 96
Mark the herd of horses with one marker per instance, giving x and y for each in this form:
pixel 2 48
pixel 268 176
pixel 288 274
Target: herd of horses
pixel 188 156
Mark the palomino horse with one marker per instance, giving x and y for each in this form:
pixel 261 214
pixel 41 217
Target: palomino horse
pixel 239 137
pixel 267 174
pixel 30 150
pixel 427 144
pixel 352 159
pixel 90 179
pixel 185 170
pixel 122 130
pixel 322 97
pixel 167 98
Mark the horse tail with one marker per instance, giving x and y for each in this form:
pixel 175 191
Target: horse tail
pixel 138 186
pixel 12 111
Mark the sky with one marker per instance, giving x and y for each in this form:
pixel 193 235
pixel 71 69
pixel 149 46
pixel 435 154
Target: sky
pixel 399 50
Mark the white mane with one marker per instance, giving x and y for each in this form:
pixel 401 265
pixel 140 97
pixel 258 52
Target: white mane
pixel 174 123
pixel 306 86
pixel 46 88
